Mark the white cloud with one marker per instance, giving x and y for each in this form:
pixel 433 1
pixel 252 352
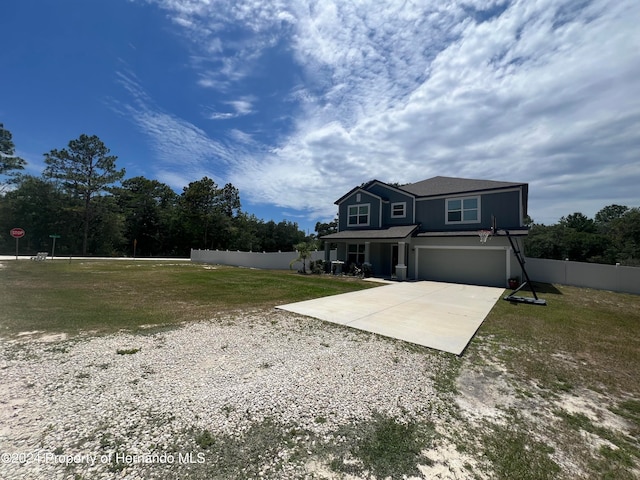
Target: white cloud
pixel 183 151
pixel 228 58
pixel 241 108
pixel 541 91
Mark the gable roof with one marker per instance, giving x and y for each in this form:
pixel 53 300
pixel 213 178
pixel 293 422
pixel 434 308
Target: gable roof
pixel 451 185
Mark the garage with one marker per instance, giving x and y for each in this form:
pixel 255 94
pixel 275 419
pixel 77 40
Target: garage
pixel 475 266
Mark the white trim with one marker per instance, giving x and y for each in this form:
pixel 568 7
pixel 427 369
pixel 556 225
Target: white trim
pixel 465 247
pixel 462 210
pixel 391 255
pixel 521 210
pixel 404 254
pixel 467 194
pixel 414 211
pixel 355 192
pixel 404 210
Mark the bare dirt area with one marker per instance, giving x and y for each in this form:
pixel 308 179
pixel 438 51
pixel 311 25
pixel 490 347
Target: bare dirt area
pixel 566 432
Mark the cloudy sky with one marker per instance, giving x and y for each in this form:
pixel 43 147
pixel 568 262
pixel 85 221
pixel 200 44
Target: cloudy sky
pixel 296 102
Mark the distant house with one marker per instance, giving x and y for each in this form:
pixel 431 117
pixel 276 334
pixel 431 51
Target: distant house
pixel 429 230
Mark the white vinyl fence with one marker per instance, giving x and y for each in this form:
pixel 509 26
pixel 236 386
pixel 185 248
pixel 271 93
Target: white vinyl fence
pixel 592 275
pixel 267 261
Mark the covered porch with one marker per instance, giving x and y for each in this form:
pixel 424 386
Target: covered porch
pixel 383 251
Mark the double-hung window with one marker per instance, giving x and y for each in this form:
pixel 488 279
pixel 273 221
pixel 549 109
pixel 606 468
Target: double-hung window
pixel 356 253
pixel 463 210
pixel 398 210
pixel 358 215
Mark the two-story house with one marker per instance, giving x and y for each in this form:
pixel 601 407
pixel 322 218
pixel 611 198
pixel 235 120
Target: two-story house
pixel 429 230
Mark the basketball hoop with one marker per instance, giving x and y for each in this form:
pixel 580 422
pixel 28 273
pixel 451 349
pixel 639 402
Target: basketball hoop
pixel 484 235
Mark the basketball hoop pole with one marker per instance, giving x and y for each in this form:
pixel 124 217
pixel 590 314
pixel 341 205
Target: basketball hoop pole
pixel 515 248
pixel 512 297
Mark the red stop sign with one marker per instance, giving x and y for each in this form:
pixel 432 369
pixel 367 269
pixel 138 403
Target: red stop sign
pixel 17 232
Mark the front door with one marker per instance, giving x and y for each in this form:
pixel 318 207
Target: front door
pixel 394 259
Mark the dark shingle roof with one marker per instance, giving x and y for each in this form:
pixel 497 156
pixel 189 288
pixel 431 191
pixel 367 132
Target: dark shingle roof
pixel 451 185
pixel 384 233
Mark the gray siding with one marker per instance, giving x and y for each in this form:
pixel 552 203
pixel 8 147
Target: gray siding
pixel 390 197
pixel 387 209
pixel 374 210
pixel 505 206
pixel 430 214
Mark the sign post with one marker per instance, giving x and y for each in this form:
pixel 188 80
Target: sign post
pixel 17 233
pixel 53 249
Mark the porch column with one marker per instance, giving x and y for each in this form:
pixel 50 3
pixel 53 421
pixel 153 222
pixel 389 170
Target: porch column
pixel 401 268
pixel 367 250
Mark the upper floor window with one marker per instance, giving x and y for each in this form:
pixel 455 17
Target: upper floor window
pixel 358 215
pixel 463 210
pixel 399 210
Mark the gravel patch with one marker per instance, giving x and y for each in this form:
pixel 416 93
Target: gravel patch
pixel 163 404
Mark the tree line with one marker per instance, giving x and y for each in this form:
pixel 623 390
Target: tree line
pixel 83 197
pixel 612 236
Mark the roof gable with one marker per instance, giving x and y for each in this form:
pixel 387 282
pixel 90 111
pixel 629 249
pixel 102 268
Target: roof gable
pixel 353 191
pixel 362 188
pixel 365 188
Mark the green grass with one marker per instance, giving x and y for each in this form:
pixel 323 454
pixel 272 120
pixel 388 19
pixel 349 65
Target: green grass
pixel 245 456
pixel 106 296
pixel 386 447
pixel 380 447
pixel 586 338
pixel 630 410
pixel 583 343
pixel 613 463
pixel 514 453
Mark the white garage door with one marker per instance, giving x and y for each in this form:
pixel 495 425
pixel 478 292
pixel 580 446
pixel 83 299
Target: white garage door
pixel 471 266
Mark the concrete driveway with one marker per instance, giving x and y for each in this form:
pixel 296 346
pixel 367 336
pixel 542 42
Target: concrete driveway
pixel 444 316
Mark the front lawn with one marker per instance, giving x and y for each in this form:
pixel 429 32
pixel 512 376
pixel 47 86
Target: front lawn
pixel 541 392
pixel 106 296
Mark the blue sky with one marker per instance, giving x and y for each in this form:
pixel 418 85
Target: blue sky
pixel 296 102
